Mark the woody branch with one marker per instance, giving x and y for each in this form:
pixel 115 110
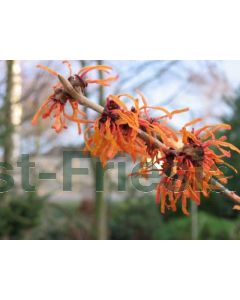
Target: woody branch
pixel 78 96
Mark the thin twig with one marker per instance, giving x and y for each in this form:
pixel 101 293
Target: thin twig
pixel 226 191
pixel 78 96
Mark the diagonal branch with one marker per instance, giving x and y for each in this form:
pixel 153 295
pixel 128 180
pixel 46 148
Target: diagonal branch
pixel 98 108
pixel 227 192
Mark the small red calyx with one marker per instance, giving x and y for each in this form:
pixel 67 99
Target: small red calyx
pixel 109 111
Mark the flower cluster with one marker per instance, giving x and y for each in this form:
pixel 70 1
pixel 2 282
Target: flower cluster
pixel 187 171
pixel 56 104
pixel 187 161
pixel 116 130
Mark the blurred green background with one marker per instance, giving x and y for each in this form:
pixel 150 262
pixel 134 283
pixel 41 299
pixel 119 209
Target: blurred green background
pixel 209 88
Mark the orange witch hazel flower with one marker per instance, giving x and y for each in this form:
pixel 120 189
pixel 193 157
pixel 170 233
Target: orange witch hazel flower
pixel 157 127
pixel 80 77
pixel 186 173
pixel 55 105
pixel 116 130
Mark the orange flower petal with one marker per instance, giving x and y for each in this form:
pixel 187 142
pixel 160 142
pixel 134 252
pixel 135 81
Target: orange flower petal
pixel 50 71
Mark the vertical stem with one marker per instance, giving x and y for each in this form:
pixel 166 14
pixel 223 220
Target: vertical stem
pixel 7 137
pixel 194 220
pixel 8 142
pixel 101 207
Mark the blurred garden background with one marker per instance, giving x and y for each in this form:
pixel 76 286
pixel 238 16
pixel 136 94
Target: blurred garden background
pixel 211 89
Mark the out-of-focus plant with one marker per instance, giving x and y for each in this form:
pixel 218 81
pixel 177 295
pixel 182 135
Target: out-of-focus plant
pixel 20 215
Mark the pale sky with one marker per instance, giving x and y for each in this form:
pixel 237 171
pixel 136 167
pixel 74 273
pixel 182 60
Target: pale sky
pixel 191 96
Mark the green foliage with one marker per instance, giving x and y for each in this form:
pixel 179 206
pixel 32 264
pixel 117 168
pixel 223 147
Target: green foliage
pixel 140 219
pixel 66 221
pixel 134 219
pixel 209 228
pixel 19 215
